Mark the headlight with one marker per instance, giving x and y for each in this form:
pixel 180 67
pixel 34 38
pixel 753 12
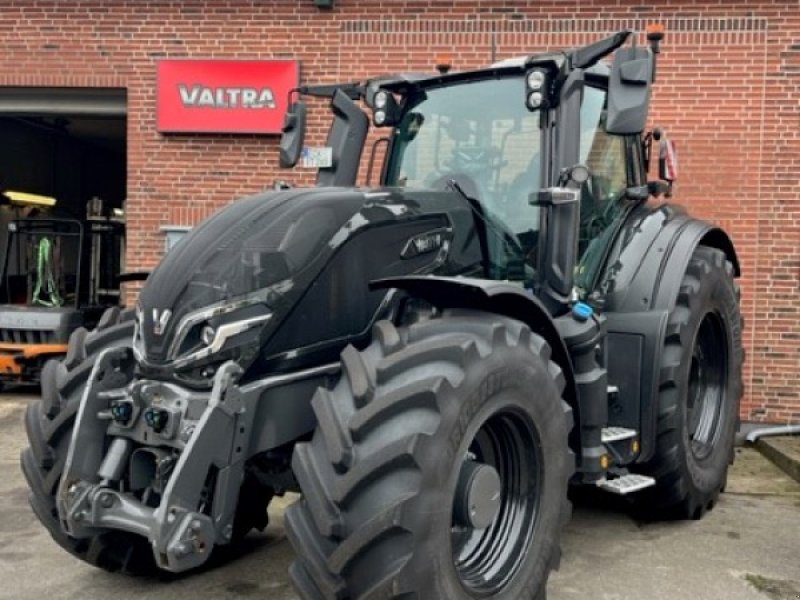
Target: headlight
pixel 138 343
pixel 534 100
pixel 207 335
pixel 536 90
pixel 381 98
pixel 535 80
pixel 205 332
pixel 214 339
pixel 380 117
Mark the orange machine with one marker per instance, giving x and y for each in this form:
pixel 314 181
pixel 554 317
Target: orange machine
pixel 59 275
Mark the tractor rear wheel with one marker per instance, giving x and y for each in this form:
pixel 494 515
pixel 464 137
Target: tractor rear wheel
pixel 49 424
pixel 699 393
pixel 439 467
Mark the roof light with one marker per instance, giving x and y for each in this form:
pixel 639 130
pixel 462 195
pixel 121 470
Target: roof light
pixel 536 80
pixel 534 100
pixel 381 98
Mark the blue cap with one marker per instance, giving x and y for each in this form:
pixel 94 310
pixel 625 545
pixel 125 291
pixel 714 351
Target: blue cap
pixel 582 311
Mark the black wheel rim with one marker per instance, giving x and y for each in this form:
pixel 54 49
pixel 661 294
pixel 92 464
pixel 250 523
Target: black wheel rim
pixel 708 377
pixel 486 560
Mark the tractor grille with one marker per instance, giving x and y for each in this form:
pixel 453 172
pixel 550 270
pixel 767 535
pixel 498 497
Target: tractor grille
pixel 26 336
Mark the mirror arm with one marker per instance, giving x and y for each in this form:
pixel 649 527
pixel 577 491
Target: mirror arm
pixel 659 188
pixel 639 193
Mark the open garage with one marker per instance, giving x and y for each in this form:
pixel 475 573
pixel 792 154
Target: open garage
pixel 63 164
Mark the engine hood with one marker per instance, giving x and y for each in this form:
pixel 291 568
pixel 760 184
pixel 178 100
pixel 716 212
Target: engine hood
pixel 246 265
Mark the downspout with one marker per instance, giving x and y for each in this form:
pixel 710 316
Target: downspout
pixel 754 435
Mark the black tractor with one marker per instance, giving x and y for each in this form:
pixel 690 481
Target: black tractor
pixel 431 362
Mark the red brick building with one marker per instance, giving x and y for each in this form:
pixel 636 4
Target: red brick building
pixel 728 93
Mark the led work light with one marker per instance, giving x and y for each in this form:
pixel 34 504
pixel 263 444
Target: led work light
pixel 536 89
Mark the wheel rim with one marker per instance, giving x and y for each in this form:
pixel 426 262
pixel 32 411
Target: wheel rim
pixel 708 375
pixel 486 559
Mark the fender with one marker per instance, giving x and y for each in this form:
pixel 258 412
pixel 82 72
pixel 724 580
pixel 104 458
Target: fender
pixel 641 281
pixel 650 255
pixel 497 297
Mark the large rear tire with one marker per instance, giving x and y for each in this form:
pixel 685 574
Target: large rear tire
pixel 439 467
pixel 49 424
pixel 699 393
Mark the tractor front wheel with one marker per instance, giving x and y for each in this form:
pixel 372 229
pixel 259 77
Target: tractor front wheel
pixel 439 467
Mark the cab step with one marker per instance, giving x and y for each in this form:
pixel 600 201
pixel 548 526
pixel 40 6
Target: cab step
pixel 609 435
pixel 626 484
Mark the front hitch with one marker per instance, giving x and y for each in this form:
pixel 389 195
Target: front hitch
pixel 193 445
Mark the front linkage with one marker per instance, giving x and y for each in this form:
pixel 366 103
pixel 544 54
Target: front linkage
pixel 175 461
pixel 189 455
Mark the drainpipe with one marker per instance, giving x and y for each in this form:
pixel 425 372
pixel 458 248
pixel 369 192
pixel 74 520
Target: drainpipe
pixel 754 435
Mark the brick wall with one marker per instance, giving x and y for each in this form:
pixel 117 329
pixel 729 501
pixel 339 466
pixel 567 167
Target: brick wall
pixel 728 90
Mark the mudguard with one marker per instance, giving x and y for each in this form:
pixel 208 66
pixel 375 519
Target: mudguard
pixel 649 257
pixel 640 283
pixel 497 297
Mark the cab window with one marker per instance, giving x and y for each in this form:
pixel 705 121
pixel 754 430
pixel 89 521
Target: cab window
pixel 602 197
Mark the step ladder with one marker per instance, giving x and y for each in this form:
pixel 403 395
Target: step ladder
pixel 609 435
pixel 626 484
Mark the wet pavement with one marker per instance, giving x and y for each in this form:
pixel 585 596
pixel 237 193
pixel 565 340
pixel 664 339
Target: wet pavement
pixel 748 548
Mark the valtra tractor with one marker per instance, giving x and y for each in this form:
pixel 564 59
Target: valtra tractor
pixel 430 362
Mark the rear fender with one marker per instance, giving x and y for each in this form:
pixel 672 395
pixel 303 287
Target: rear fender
pixel 501 298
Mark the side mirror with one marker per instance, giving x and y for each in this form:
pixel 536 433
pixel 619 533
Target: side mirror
pixel 294 133
pixel 629 86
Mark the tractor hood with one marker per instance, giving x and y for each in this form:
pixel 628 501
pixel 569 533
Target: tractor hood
pixel 233 279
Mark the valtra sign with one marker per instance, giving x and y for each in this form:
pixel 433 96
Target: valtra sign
pixel 224 96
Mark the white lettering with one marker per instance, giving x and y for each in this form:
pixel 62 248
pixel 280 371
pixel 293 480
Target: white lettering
pixel 266 99
pixel 206 98
pixel 249 96
pixel 226 97
pixel 188 98
pixel 219 98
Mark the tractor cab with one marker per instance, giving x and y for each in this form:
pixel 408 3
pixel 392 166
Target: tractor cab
pixel 548 150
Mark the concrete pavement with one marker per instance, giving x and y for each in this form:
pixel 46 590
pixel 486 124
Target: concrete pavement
pixel 748 548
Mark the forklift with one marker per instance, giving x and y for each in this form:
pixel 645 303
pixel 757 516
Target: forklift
pixel 59 274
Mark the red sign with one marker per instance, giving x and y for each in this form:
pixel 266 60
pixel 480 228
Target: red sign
pixel 224 96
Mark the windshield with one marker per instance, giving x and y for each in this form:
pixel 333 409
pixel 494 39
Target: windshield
pixel 481 135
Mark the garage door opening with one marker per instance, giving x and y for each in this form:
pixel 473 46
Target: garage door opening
pixel 63 161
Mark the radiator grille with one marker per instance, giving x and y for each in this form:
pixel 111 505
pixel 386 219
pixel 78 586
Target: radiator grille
pixel 26 336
